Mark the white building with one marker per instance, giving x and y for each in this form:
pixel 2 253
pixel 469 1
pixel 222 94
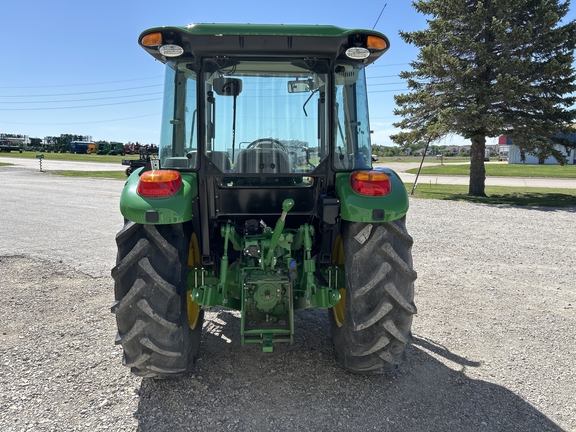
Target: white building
pixel 514 156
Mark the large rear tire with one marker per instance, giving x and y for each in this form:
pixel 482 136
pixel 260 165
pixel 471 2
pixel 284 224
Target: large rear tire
pixel 151 304
pixel 371 325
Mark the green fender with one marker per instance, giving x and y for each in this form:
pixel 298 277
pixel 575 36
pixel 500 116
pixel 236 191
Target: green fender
pixel 158 211
pixel 359 208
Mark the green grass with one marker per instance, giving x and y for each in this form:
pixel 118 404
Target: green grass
pixel 499 195
pixel 70 157
pixel 418 159
pixel 5 164
pixel 503 170
pixel 119 175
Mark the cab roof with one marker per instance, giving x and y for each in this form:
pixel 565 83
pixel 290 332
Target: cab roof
pixel 262 40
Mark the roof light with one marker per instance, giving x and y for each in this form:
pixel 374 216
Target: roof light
pixel 152 39
pixel 370 183
pixel 376 43
pixel 159 183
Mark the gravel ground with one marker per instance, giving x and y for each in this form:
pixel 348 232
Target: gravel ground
pixel 493 349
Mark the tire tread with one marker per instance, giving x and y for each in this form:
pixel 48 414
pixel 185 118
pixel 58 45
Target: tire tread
pixel 379 297
pixel 150 307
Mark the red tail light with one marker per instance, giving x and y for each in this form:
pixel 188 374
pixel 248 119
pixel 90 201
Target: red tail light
pixel 371 183
pixel 159 183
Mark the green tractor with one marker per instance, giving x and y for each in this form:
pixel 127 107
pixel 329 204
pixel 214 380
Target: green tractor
pixel 263 199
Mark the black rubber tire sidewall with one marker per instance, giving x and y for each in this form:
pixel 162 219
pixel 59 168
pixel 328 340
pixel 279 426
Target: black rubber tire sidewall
pixel 150 290
pixel 379 297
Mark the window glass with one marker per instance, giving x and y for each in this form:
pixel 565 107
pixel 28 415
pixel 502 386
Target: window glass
pixel 178 138
pixel 352 129
pixel 265 117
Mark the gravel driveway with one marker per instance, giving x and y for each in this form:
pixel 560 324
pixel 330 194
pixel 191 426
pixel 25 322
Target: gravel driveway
pixel 493 350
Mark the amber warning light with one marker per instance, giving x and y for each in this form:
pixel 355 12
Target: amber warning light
pixel 376 43
pixel 152 39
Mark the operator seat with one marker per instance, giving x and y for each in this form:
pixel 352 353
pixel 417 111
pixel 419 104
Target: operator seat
pixel 262 161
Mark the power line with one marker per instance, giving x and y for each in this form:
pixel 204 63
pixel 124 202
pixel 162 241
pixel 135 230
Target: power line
pixel 387 65
pixel 84 100
pixel 79 106
pixel 81 85
pixel 384 84
pixel 387 91
pixel 82 93
pixel 78 123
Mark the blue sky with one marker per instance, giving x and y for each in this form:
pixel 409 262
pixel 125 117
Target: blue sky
pixel 75 66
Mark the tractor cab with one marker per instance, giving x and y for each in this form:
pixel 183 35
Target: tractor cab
pixel 261 117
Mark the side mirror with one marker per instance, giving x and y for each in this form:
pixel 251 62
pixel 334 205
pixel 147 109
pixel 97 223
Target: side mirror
pixel 227 86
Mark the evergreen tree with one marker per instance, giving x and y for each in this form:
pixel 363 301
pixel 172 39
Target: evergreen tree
pixel 490 68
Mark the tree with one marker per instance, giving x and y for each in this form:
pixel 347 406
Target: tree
pixel 489 68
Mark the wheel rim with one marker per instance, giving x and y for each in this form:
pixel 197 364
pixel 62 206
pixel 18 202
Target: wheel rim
pixel 193 312
pixel 340 308
pixel 191 306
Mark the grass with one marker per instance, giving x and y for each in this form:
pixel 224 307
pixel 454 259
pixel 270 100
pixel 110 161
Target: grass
pixel 70 157
pixel 418 159
pixel 499 195
pixel 503 170
pixel 5 164
pixel 118 175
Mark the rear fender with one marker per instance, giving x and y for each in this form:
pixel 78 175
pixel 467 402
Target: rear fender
pixel 359 208
pixel 158 211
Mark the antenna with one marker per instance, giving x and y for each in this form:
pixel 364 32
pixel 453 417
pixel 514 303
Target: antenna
pixel 385 4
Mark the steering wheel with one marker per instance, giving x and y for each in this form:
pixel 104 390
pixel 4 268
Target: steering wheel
pixel 267 143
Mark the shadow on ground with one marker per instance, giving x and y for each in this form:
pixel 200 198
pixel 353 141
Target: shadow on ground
pixel 301 388
pixel 532 200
